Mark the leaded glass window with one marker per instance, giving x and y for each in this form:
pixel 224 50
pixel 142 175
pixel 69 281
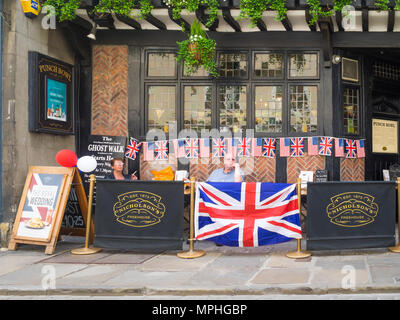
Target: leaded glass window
pixel 268 108
pixel 161 106
pixel 197 107
pixel 303 65
pixel 268 65
pixel 232 107
pixel 303 108
pixel 350 110
pixel 161 64
pixel 233 65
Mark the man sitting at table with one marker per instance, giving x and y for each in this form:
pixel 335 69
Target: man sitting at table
pixel 230 172
pixel 117 164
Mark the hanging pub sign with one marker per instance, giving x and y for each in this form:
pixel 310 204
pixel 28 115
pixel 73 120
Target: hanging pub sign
pixel 51 107
pixel 31 8
pixel 139 215
pixel 351 215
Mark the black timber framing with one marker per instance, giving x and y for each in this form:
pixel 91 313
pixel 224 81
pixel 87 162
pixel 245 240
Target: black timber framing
pixel 203 18
pixel 181 22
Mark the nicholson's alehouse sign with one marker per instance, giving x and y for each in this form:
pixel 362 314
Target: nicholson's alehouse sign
pixel 50 95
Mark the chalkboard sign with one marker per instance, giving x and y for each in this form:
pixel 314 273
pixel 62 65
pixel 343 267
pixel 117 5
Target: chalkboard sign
pixel 321 175
pixel 73 222
pixel 103 149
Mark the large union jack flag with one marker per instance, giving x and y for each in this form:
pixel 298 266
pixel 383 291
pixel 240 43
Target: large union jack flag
pixel 247 214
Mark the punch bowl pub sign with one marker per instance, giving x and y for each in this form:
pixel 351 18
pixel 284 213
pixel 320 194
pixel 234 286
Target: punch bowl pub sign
pixel 50 95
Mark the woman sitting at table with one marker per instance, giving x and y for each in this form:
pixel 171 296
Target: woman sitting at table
pixel 117 164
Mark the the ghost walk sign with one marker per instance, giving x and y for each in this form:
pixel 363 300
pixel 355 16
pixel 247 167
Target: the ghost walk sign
pixel 139 215
pixel 351 215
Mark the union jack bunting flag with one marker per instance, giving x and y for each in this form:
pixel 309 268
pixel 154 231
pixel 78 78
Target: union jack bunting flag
pixel 218 147
pixel 246 214
pixel 244 147
pixel 191 148
pixel 268 148
pixel 161 150
pixel 351 149
pixel 296 147
pixel 132 149
pixel 325 146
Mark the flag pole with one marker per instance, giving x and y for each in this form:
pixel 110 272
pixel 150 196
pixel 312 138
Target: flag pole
pixel 86 249
pixel 299 254
pixel 397 247
pixel 191 254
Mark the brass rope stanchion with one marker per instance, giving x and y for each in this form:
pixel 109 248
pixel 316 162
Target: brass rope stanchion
pixel 298 254
pixel 397 247
pixel 191 254
pixel 86 249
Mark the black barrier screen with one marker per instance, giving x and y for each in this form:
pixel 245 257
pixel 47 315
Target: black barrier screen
pixel 350 215
pixel 139 215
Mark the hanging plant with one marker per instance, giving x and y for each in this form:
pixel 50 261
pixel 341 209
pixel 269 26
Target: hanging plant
pixel 197 51
pixel 64 10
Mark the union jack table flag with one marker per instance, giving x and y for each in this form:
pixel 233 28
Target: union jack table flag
pixel 161 150
pixel 268 148
pixel 132 149
pixel 296 147
pixel 351 149
pixel 248 214
pixel 192 148
pixel 325 146
pixel 218 147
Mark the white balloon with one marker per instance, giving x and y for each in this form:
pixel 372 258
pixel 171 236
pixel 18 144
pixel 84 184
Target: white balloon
pixel 87 164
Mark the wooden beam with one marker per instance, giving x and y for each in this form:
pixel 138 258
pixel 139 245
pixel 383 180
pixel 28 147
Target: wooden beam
pixel 129 21
pixel 364 12
pixel 203 18
pixel 327 50
pixel 339 20
pixel 181 22
pixel 287 24
pixel 155 22
pixel 226 14
pixel 104 20
pixel 391 16
pixel 313 27
pixel 261 25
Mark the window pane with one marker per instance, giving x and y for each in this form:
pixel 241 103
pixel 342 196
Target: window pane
pixel 303 65
pixel 201 72
pixel 161 65
pixel 303 108
pixel 268 103
pixel 350 110
pixel 233 65
pixel 197 106
pixel 161 106
pixel 268 65
pixel 232 107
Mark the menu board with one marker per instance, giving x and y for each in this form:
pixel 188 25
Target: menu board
pixel 384 136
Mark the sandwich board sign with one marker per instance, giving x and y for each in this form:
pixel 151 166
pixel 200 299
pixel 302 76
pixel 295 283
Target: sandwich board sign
pixel 42 206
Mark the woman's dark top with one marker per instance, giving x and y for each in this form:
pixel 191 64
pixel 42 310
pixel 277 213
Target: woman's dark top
pixel 111 176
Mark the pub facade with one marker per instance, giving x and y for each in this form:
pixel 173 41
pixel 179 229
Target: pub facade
pixel 281 79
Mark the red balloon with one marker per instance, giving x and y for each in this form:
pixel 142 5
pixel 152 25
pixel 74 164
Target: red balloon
pixel 66 158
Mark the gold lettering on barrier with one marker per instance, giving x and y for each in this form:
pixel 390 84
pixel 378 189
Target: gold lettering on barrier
pixel 352 209
pixel 139 209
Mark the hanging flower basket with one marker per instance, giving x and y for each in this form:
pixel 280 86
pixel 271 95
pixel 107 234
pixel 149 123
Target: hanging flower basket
pixel 197 51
